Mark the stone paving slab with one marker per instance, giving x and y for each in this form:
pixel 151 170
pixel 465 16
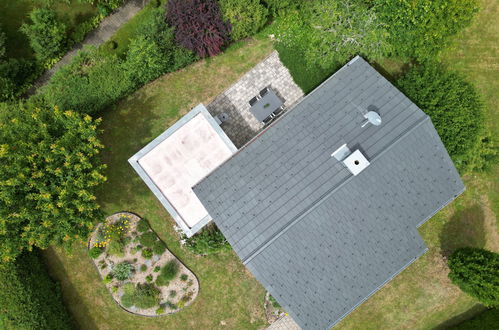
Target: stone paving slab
pixel 242 126
pixel 284 323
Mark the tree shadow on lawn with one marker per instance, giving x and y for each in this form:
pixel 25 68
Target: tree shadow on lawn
pixel 470 313
pixel 128 127
pixel 465 228
pixel 70 294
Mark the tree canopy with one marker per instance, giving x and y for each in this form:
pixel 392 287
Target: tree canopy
pixel 476 272
pixel 47 190
pixel 331 32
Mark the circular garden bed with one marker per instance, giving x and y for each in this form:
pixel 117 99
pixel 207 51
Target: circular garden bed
pixel 143 276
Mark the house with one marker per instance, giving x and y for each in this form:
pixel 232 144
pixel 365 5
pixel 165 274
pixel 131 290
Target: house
pixel 323 206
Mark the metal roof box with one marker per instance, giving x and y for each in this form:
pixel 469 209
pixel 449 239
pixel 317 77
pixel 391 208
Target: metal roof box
pixel 356 162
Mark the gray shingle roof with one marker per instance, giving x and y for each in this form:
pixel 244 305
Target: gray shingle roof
pixel 318 238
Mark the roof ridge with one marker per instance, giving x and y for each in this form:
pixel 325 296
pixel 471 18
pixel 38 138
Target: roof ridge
pixel 328 193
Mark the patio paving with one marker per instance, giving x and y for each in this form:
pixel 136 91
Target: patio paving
pixel 284 323
pixel 242 126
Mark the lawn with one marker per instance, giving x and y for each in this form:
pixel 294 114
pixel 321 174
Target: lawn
pixel 228 294
pixel 14 13
pixel 421 297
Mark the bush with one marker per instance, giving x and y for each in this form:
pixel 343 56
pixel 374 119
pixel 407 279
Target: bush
pixel 245 16
pixel 209 240
pixel 171 305
pixel 142 226
pixel 279 6
pixel 146 296
pixel 29 298
pixel 160 310
pixel 159 247
pixel 108 278
pixel 16 76
pixel 168 273
pixel 184 277
pixel 476 272
pixel 47 195
pixel 122 271
pixel 172 293
pixel 157 269
pixel 148 239
pixel 127 300
pixel 147 253
pixel 198 25
pixel 420 29
pixel 143 267
pixel 116 248
pixel 454 106
pixel 46 34
pixel 274 302
pixel 149 278
pixel 95 252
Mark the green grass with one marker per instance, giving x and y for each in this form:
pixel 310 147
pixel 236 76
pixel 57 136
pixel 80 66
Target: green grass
pixel 14 12
pixel 228 293
pixel 421 297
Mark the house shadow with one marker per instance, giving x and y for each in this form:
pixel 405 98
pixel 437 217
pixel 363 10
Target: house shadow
pixel 465 228
pixel 470 313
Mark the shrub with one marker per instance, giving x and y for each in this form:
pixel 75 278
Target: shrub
pixel 454 106
pixel 209 240
pixel 420 29
pixel 476 272
pixel 149 278
pixel 144 61
pixel 147 253
pixel 116 248
pixel 171 305
pixel 29 298
pixel 95 252
pixel 198 25
pixel 122 271
pixel 142 226
pixel 157 269
pixel 16 76
pixel 128 288
pixel 108 278
pixel 278 6
pixel 148 239
pixel 46 34
pixel 184 277
pixel 159 247
pixel 245 16
pixel 160 310
pixel 172 293
pixel 127 300
pixel 114 289
pixel 274 302
pixel 143 267
pixel 48 195
pixel 146 296
pixel 168 273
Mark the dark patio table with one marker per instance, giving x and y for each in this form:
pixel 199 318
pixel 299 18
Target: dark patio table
pixel 265 106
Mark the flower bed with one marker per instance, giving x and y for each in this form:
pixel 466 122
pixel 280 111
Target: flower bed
pixel 143 276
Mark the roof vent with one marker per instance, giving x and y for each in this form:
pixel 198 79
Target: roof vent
pixel 355 161
pixel 372 117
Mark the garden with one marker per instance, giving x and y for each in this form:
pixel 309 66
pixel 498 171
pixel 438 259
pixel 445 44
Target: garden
pixel 67 149
pixel 141 274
